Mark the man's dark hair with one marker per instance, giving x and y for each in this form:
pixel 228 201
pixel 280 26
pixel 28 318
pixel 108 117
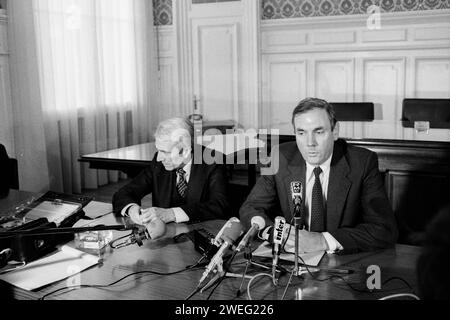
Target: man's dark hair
pixel 432 266
pixel 308 104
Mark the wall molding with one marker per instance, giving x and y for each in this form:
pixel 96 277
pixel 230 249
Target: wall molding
pixel 405 31
pixel 383 66
pixel 386 18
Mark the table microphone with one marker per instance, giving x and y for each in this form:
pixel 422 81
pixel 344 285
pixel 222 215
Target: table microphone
pixel 258 223
pixel 233 230
pixel 155 229
pixel 296 191
pixel 218 239
pixel 278 236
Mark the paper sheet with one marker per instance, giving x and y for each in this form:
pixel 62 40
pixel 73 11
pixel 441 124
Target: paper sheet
pixel 53 212
pixel 95 209
pixel 58 266
pixel 311 258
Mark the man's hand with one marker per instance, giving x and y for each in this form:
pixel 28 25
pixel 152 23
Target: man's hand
pixel 166 215
pixel 308 241
pixel 134 212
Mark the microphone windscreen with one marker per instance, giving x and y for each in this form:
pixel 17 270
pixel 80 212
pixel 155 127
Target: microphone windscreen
pixel 278 230
pixel 156 228
pixel 218 239
pixel 259 221
pixel 232 232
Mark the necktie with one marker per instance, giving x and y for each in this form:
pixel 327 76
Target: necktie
pixel 181 184
pixel 317 205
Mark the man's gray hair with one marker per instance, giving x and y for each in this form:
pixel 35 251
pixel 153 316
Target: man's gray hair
pixel 175 129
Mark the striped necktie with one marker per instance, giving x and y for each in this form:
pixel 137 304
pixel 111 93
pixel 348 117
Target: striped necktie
pixel 181 184
pixel 317 205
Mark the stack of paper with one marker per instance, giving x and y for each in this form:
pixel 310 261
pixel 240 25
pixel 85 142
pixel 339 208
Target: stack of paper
pixel 311 258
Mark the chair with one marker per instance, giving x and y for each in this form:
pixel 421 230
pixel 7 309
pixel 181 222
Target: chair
pixel 14 174
pixel 354 111
pixel 435 111
pixel 9 175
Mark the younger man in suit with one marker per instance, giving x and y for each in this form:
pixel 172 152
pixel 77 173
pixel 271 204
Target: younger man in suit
pixel 182 190
pixel 344 204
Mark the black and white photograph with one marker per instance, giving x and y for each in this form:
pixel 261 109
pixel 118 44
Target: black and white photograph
pixel 224 158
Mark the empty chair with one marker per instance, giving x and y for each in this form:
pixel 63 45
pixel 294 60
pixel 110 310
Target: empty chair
pixel 354 111
pixel 435 111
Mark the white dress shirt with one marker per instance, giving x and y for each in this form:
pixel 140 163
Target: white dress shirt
pixel 324 177
pixel 180 215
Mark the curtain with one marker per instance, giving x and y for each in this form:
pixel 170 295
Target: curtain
pixel 28 129
pixel 97 69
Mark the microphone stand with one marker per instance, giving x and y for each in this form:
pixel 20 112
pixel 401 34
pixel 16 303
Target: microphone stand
pixel 248 256
pixel 297 225
pixel 221 273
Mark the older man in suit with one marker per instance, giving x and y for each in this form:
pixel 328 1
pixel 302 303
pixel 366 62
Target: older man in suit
pixel 344 207
pixel 182 190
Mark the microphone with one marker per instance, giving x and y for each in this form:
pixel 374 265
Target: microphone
pixel 296 191
pixel 230 232
pixel 155 229
pixel 258 223
pixel 278 235
pixel 218 239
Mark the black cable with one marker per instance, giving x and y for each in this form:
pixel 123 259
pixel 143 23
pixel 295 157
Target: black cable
pixel 223 276
pixel 316 277
pixel 75 287
pixel 397 278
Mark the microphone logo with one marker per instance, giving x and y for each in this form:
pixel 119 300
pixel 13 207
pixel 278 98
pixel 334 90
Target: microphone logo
pixel 279 230
pixel 296 188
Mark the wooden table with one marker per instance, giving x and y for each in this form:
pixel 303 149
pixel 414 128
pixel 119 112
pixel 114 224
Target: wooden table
pixel 165 255
pixel 133 159
pixel 130 160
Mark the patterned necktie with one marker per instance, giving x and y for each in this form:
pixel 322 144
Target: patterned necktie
pixel 181 184
pixel 317 205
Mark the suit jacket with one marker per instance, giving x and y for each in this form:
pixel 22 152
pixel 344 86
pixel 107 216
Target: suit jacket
pixel 5 172
pixel 358 213
pixel 206 196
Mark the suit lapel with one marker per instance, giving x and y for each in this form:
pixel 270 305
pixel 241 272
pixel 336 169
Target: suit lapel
pixel 166 183
pixel 196 180
pixel 296 171
pixel 338 187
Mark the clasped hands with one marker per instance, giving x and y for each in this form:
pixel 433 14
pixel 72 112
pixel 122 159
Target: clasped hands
pixel 144 216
